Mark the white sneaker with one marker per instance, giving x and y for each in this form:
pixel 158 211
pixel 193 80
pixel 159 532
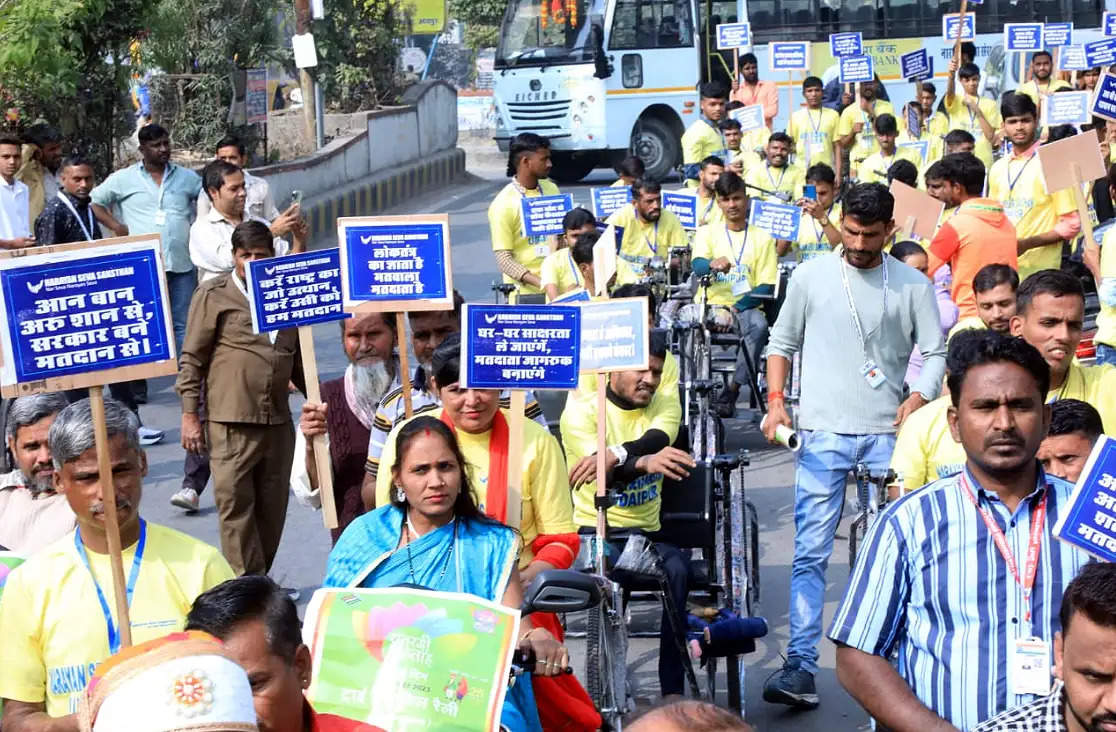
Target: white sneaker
pixel 150 436
pixel 186 499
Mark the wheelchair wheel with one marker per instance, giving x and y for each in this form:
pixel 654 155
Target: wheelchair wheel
pixel 857 529
pixel 606 663
pixel 751 558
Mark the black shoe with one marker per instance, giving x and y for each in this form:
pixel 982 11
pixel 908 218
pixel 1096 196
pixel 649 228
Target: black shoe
pixel 725 406
pixel 791 686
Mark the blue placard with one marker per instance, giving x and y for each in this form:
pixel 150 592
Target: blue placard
pixel 922 146
pixel 84 311
pixel 1088 520
pixel 781 220
pixel 1057 34
pixel 788 55
pixel 542 215
pixel 856 68
pixel 949 27
pixel 573 296
pixel 914 120
pixel 683 205
pixel 734 35
pixel 1021 37
pixel 1065 108
pixel 1104 97
pixel 614 335
pixel 520 346
pixel 916 65
pixel 846 44
pixel 295 290
pixel 750 117
pixel 1100 53
pixel 396 262
pixel 607 201
pixel 1108 23
pixel 1072 58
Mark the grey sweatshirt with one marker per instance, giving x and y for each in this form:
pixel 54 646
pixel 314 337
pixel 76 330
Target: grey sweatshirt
pixel 815 320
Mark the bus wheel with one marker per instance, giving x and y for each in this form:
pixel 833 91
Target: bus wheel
pixel 657 146
pixel 570 168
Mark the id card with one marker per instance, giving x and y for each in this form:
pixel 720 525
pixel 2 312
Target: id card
pixel 160 217
pixel 872 374
pixel 1029 662
pixel 740 287
pixel 542 250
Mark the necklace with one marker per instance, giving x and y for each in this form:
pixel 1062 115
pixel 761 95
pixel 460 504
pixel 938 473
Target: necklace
pixel 410 559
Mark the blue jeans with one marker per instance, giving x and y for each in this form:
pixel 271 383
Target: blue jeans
pixel 180 290
pixel 1106 354
pixel 819 496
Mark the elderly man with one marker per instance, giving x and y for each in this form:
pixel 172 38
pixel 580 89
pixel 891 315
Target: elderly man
pixel 32 515
pixel 346 414
pixel 58 608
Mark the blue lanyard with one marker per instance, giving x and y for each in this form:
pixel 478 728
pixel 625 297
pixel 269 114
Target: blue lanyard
pixel 1012 182
pixel 728 235
pixel 573 269
pixel 772 179
pixel 810 117
pixel 113 631
pixel 653 247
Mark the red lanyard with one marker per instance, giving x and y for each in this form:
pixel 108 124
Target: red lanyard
pixel 1038 523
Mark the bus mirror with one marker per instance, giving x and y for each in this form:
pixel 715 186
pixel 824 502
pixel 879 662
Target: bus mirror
pixel 602 69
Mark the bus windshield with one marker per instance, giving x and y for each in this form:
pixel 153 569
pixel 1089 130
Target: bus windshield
pixel 543 32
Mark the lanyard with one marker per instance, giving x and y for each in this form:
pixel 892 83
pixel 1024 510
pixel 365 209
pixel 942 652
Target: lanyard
pixel 717 129
pixel 162 183
pixel 88 231
pixel 810 117
pixel 1034 548
pixel 523 191
pixel 740 255
pixel 770 178
pixel 1013 181
pixel 573 269
pixel 818 230
pixel 708 208
pixel 113 631
pixel 852 305
pixel 653 247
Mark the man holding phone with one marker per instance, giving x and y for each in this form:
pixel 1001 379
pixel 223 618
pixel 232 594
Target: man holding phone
pixel 819 233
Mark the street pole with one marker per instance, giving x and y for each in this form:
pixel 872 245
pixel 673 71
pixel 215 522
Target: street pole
pixel 305 81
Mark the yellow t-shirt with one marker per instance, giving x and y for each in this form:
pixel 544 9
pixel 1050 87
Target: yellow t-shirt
pixel 814 132
pixel 752 253
pixel 1036 92
pixel 788 181
pixel 55 633
pixel 865 143
pixel 644 241
pixel 1093 384
pixel 560 269
pixel 812 241
pixel 708 210
pixel 961 118
pixel 1030 207
pixel 546 484
pixel 639 501
pixel 1106 318
pixel 700 141
pixel 973 323
pixel 924 448
pixel 505 224
pixel 665 404
pixel 873 169
pixel 933 133
pixel 618 183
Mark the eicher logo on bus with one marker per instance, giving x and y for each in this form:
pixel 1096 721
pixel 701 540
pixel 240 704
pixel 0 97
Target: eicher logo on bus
pixel 541 96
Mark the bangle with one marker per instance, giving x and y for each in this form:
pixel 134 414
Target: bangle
pixel 774 396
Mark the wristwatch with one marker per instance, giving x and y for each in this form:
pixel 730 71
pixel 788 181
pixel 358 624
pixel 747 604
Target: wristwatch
pixel 620 453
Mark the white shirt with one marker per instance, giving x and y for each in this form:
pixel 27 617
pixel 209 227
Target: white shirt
pixel 211 244
pixel 15 215
pixel 259 204
pixel 27 523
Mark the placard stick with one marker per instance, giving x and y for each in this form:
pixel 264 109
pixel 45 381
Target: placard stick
pixel 404 365
pixel 322 467
pixel 910 226
pixel 1082 207
pixel 735 66
pixel 515 458
pixel 602 473
pixel 960 30
pixel 112 526
pixel 1073 79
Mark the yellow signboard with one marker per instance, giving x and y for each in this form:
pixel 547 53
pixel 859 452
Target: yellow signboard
pixel 428 16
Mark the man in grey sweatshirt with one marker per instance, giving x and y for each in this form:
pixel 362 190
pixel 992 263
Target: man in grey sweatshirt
pixel 855 317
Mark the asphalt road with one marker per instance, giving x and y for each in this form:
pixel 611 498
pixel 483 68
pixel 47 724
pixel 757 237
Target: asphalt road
pixel 302 555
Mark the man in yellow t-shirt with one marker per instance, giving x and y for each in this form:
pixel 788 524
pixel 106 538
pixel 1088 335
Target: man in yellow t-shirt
pixel 1042 81
pixel 814 128
pixel 649 231
pixel 1042 220
pixel 776 173
pixel 820 230
pixel 559 273
pixel 971 112
pixel 518 256
pixel 637 459
pixel 874 168
pixel 925 450
pixel 707 210
pixel 855 130
pixel 703 138
pixel 58 610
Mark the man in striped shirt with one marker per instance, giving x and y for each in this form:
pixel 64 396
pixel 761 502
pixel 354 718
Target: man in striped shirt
pixel 961 580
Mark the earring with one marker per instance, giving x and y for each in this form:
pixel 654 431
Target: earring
pixel 399 494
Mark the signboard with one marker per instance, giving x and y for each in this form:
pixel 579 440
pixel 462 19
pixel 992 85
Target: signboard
pixel 781 220
pixel 1072 58
pixel 846 44
pixel 1059 158
pixel 392 263
pixel 1108 23
pixel 734 35
pixel 1065 108
pixel 605 253
pixel 750 117
pixel 788 55
pixel 916 212
pixel 427 16
pixel 916 65
pixel 520 346
pixel 683 205
pixel 607 201
pixel 1022 37
pixel 573 296
pixel 914 120
pixel 542 215
pixel 1055 35
pixel 1100 53
pixel 401 658
pixel 1104 97
pixel 255 96
pixel 856 68
pixel 922 146
pixel 614 335
pixel 950 23
pixel 295 290
pixel 80 315
pixel 1088 521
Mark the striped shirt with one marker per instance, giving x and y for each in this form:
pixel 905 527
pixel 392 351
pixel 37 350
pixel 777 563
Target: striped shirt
pixel 1044 714
pixel 953 608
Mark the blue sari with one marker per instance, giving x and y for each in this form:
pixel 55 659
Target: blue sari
pixel 480 564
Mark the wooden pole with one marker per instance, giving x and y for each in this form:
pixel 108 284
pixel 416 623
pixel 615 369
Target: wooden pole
pixel 1082 207
pixel 910 225
pixel 960 29
pixel 305 82
pixel 112 526
pixel 515 459
pixel 404 364
pixel 735 68
pixel 321 453
pixel 602 474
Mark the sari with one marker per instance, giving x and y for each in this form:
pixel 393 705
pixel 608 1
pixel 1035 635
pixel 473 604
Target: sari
pixel 480 563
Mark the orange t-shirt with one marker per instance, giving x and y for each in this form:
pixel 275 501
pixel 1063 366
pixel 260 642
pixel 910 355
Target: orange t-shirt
pixel 979 233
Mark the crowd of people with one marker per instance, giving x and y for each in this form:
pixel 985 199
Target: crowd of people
pixel 951 361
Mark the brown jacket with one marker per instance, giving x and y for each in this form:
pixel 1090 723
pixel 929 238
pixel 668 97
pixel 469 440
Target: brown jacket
pixel 245 375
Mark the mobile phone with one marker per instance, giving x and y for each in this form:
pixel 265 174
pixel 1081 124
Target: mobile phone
pixel 810 191
pixel 296 197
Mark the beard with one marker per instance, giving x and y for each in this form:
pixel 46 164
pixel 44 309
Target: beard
pixel 38 484
pixel 370 381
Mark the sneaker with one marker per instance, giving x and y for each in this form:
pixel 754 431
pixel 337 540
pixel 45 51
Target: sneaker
pixel 150 436
pixel 186 499
pixel 791 686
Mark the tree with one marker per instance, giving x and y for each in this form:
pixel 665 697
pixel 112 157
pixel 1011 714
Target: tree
pixel 482 20
pixel 358 47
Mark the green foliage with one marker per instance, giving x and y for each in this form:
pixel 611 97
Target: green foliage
pixel 358 44
pixel 481 19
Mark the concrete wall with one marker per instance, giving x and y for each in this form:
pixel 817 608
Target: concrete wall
pixel 437 129
pixel 392 137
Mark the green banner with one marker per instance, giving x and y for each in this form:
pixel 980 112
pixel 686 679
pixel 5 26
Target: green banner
pixel 410 660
